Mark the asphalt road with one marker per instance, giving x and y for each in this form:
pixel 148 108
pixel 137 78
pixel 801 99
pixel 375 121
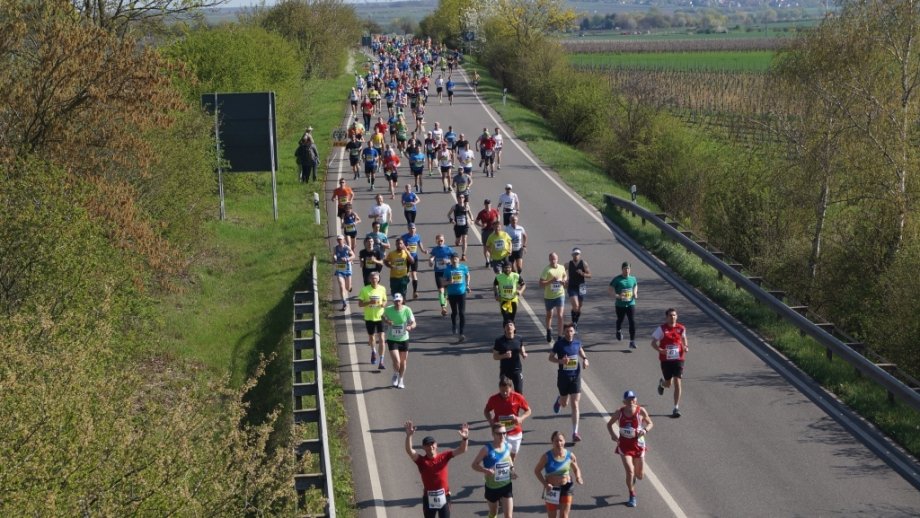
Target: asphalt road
pixel 748 444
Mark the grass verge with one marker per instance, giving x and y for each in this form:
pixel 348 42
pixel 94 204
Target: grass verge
pixel 728 61
pixel 238 306
pixel 583 174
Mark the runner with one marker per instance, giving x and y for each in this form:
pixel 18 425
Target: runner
pixel 554 281
pixel 445 164
pixel 391 169
pixel 486 219
pixel 504 408
pixel 465 156
pixel 373 298
pixel 634 424
pixel 499 144
pixel 510 353
pixel 553 473
pixel 440 260
pixel 578 271
pixel 399 261
pixel 494 461
pixel 509 203
pixel 354 99
pixel 371 157
pixel 381 241
pixel 450 136
pixel 499 245
pixel 488 155
pixel 460 216
pixel 457 277
pixel 399 320
pixel 432 466
pixel 480 145
pixel 439 87
pixel 431 151
pixel 353 148
pixel 410 202
pixel 342 256
pixel 381 213
pixel 356 129
pixel 367 111
pixel 350 222
pixel 371 259
pixel 670 340
pixel 566 352
pixel 450 91
pixel 518 244
pixel 475 81
pixel 416 164
pixel 508 286
pixel 342 195
pixel 625 289
pixel 414 243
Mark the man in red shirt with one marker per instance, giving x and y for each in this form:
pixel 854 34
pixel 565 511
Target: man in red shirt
pixel 486 217
pixel 670 341
pixel 505 409
pixel 432 466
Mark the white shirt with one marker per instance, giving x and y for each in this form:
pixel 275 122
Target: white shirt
pixel 437 134
pixel 517 236
pixel 509 202
pixel 381 213
pixel 498 140
pixel 467 156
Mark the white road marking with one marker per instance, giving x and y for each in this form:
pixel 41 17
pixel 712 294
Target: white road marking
pixel 656 483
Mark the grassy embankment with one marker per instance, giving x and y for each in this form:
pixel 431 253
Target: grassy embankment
pixel 585 176
pixel 239 304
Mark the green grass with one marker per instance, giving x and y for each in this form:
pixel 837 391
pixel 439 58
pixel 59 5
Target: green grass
pixel 586 177
pixel 238 303
pixel 747 61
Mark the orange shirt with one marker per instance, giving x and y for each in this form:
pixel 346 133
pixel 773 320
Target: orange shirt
pixel 343 195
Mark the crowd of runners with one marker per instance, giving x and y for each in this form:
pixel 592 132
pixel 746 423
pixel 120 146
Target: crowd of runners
pixel 394 90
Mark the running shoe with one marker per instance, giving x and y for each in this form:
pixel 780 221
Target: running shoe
pixel 675 413
pixel 632 501
pixel 443 311
pixel 414 295
pixel 619 335
pixel 373 356
pixel 549 335
pixel 576 437
pixel 632 344
pixel 395 379
pixel 660 386
pixel 556 406
pixel 344 306
pixel 381 366
pixel 402 384
pixel 461 339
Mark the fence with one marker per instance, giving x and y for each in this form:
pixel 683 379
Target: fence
pixel 824 333
pixel 307 368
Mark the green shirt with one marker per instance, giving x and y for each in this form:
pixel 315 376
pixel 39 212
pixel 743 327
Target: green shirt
pixel 507 286
pixel 398 321
pixel 378 299
pixel 625 286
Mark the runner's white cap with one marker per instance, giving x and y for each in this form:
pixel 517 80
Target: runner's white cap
pixel 508 186
pixel 576 251
pixel 397 296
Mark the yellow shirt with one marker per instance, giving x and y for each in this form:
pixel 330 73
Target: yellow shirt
pixel 398 261
pixel 555 289
pixel 499 245
pixel 377 140
pixel 378 299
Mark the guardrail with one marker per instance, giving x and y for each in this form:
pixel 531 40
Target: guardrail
pixel 821 332
pixel 307 361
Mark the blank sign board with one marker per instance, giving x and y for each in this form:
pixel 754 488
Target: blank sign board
pixel 246 129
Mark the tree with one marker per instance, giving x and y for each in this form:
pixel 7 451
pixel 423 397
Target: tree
pixel 121 17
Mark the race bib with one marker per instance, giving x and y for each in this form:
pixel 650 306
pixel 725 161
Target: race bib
pixel 627 295
pixel 571 364
pixel 583 289
pixel 461 221
pixel 341 266
pixel 437 499
pixel 351 227
pixel 456 277
pixel 343 200
pixel 628 433
pixel 408 205
pixel 488 152
pixel 507 421
pixel 503 472
pixel 556 286
pixel 507 292
pixel 443 263
pixel 397 331
pixel 413 249
pixel 369 263
pixel 374 300
pixel 499 244
pixel 552 496
pixel 672 352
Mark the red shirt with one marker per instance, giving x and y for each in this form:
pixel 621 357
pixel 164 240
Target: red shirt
pixel 672 337
pixel 487 217
pixel 391 162
pixel 434 470
pixel 381 127
pixel 504 408
pixel 488 143
pixel 367 106
pixel 629 443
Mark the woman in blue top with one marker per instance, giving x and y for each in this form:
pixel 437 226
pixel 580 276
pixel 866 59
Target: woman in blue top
pixel 457 278
pixel 342 256
pixel 440 260
pixel 555 472
pixel 409 202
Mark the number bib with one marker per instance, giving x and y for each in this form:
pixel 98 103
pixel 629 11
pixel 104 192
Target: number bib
pixel 556 286
pixel 341 267
pixel 413 249
pixel 488 152
pixel 397 331
pixel 369 264
pixel 628 433
pixel 437 499
pixel 627 295
pixel 583 289
pixel 374 301
pixel 571 364
pixel 456 277
pixel 351 227
pixel 499 244
pixel 507 292
pixel 552 496
pixel 503 472
pixel 408 205
pixel 507 421
pixel 461 221
pixel 343 200
pixel 672 352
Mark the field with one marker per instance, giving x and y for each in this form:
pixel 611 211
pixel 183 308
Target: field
pixel 735 61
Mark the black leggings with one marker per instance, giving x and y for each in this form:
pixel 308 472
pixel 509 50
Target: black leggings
pixel 628 313
pixel 457 306
pixel 410 215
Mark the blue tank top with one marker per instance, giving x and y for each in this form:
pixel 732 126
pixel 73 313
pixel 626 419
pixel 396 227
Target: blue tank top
pixel 342 264
pixel 348 223
pixel 412 243
pixel 500 461
pixel 558 467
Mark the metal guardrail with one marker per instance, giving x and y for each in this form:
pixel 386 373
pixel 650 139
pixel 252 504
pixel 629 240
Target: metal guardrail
pixel 876 372
pixel 307 338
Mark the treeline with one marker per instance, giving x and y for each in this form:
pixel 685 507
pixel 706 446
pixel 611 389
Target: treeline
pixel 701 19
pixel 825 209
pixel 106 189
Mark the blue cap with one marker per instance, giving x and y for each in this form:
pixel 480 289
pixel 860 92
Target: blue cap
pixel 629 395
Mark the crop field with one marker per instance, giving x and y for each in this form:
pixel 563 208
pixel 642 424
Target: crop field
pixel 738 61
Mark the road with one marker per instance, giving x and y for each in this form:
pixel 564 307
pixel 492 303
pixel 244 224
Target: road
pixel 749 443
